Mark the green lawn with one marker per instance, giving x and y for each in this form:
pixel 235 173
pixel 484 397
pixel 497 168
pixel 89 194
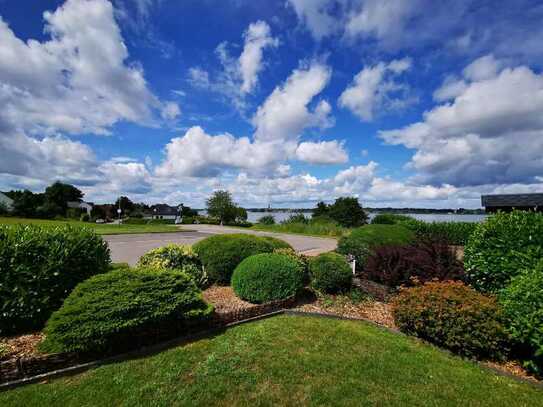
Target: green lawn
pixel 287 360
pixel 100 229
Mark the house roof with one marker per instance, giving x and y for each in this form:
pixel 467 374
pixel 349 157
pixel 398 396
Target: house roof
pixel 163 209
pixel 512 200
pixel 5 199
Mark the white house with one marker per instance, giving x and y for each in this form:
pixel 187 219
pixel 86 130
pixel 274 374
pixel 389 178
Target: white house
pixel 6 201
pixel 86 206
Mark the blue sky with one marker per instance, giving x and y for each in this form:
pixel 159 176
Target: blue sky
pixel 401 103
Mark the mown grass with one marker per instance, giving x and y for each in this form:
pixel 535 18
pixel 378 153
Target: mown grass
pixel 101 229
pixel 288 360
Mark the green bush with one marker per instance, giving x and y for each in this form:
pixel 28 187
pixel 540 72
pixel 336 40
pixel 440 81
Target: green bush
pixel 522 301
pixel 176 257
pixel 330 273
pixel 221 254
pixel 116 310
pixel 277 243
pixel 40 266
pixel 389 219
pixel 502 247
pixel 161 221
pixel 267 220
pixel 207 220
pixel 454 316
pixel 453 233
pixel 267 277
pixel 84 217
pixel 135 221
pixel 361 240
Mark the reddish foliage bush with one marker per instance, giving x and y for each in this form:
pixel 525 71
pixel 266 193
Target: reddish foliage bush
pixel 454 316
pixel 421 261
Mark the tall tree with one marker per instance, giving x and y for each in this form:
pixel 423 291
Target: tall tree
pixel 126 204
pixel 348 212
pixel 60 194
pixel 321 210
pixel 221 205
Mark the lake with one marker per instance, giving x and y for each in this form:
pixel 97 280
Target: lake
pixel 427 217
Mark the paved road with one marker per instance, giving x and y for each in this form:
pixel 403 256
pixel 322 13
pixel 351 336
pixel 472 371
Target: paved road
pixel 129 248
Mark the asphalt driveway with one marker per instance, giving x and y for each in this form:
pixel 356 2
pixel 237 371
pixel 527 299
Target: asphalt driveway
pixel 129 248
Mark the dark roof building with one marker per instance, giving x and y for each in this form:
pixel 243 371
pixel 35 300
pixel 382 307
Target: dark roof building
pixel 508 202
pixel 163 211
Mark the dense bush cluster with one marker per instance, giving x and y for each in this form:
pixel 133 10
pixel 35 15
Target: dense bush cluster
pixel 522 301
pixel 110 312
pixel 389 219
pixel 345 211
pixel 267 277
pixel 267 220
pixel 277 243
pixel 176 257
pixel 39 267
pixel 453 233
pixel 420 261
pixel 221 254
pixel 502 247
pixel 361 240
pixel 454 316
pixel 330 273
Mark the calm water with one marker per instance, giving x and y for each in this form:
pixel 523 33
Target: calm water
pixel 280 216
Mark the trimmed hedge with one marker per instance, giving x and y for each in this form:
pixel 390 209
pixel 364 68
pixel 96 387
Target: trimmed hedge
pixel 267 277
pixel 418 262
pixel 330 273
pixel 221 254
pixel 39 268
pixel 522 301
pixel 502 247
pixel 361 240
pixel 453 233
pixel 454 316
pixel 120 309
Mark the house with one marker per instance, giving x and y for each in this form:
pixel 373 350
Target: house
pixel 162 211
pixel 86 206
pixel 6 201
pixel 508 202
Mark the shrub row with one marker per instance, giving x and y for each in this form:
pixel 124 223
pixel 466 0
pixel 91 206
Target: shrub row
pixel 453 233
pixel 109 312
pixel 389 219
pixel 40 267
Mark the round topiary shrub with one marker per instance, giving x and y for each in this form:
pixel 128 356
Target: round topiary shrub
pixel 267 277
pixel 502 247
pixel 522 302
pixel 454 316
pixel 277 243
pixel 176 257
pixel 330 273
pixel 39 267
pixel 221 254
pixel 125 308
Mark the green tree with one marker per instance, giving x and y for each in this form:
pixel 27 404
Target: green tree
pixel 127 205
pixel 188 211
pixel 321 210
pixel 221 205
pixel 348 212
pixel 60 194
pixel 26 203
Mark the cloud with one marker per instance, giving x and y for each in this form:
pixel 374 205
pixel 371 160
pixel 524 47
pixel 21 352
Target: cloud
pixel 238 76
pixel 170 111
pixel 374 90
pixel 491 133
pixel 285 114
pixel 315 14
pixel 257 37
pixel 324 152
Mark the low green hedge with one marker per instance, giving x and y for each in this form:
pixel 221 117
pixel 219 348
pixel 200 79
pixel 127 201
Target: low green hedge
pixel 330 273
pixel 389 219
pixel 39 268
pixel 267 277
pixel 453 233
pixel 502 247
pixel 454 316
pixel 125 308
pixel 522 301
pixel 221 254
